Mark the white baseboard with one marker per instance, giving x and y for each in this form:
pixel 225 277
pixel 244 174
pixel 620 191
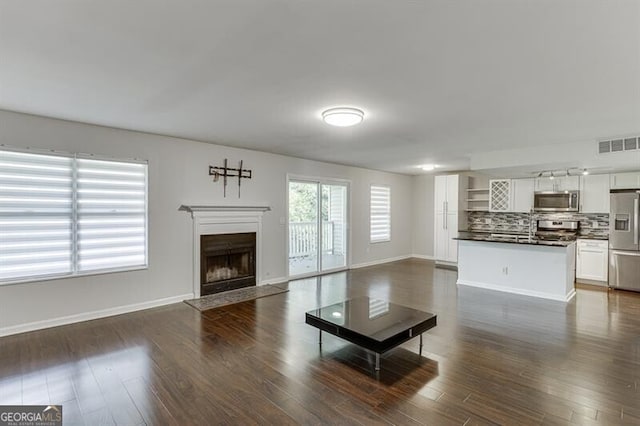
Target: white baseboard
pixel 379 262
pixel 86 316
pixel 522 292
pixel 423 256
pixel 274 281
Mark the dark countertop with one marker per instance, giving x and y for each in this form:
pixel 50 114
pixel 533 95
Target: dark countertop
pixel 522 239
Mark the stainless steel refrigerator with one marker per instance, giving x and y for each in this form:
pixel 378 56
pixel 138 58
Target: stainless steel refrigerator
pixel 624 240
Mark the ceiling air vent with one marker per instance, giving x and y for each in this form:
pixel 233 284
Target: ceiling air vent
pixel 619 145
pixel 630 143
pixel 616 145
pixel 604 147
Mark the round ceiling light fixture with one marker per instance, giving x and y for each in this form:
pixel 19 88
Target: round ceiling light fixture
pixel 428 167
pixel 343 116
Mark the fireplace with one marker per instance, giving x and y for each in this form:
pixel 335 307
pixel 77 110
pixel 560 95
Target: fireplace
pixel 227 262
pixel 212 220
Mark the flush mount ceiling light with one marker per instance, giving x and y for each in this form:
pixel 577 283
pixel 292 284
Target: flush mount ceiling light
pixel 428 167
pixel 343 116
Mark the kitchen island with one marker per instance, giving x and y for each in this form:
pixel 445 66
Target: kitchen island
pixel 526 266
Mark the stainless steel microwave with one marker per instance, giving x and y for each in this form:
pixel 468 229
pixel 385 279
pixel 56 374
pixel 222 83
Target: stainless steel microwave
pixel 556 201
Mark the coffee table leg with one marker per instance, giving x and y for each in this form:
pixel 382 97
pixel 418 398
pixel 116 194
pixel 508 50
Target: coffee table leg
pixel 377 362
pixel 420 344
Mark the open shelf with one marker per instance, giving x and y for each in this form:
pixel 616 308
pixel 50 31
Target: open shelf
pixel 478 190
pixel 478 199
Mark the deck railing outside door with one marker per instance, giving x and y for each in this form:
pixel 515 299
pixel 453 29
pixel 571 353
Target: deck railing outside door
pixel 303 238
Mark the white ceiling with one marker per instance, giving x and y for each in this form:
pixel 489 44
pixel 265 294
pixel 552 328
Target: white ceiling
pixel 438 80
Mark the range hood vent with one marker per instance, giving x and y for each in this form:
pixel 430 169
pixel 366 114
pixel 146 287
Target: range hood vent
pixel 619 145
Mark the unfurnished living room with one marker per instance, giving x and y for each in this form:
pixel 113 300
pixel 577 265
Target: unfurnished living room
pixel 411 212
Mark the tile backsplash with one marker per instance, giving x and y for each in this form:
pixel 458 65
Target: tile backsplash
pixel 519 222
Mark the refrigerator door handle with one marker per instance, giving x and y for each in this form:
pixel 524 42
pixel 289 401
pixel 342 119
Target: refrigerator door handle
pixel 635 222
pixel 626 253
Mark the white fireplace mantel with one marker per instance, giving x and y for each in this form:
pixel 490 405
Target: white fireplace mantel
pixel 225 219
pixel 226 208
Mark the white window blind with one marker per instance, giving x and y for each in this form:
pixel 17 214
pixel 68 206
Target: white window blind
pixel 35 215
pixel 380 213
pixel 67 216
pixel 111 214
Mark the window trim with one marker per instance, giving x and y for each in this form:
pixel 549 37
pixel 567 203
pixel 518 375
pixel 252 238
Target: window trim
pixel 370 190
pixel 75 273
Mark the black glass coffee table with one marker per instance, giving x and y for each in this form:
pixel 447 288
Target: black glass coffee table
pixel 373 324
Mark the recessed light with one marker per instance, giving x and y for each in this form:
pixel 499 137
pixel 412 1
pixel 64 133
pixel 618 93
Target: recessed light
pixel 343 116
pixel 585 172
pixel 428 167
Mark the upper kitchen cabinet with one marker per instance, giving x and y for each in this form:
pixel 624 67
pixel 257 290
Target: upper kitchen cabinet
pixel 630 180
pixel 447 193
pixel 522 195
pixel 560 183
pixel 594 194
pixel 500 198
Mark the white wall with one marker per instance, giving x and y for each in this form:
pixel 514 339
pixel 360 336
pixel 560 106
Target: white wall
pixel 423 216
pixel 521 162
pixel 178 174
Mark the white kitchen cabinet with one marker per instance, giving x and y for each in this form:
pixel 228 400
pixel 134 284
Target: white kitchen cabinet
pixel 568 183
pixel 629 180
pixel 559 183
pixel 594 194
pixel 592 260
pixel 447 193
pixel 522 195
pixel 500 197
pixel 446 248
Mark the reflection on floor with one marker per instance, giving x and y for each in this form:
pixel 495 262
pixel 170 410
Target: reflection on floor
pixel 493 358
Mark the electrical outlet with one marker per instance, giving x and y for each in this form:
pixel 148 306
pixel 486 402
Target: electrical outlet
pixel 594 224
pixel 521 222
pixel 487 221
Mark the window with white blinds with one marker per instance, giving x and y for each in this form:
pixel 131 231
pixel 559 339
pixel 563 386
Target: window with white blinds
pixel 380 213
pixel 62 215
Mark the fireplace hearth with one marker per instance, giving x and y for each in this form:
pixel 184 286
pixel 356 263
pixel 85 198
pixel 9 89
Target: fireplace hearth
pixel 227 262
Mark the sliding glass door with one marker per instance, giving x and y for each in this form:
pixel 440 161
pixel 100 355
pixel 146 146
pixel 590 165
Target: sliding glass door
pixel 317 229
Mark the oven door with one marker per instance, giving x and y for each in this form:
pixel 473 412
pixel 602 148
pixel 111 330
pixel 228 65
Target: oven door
pixel 555 201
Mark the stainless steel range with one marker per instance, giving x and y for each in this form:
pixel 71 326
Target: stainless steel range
pixel 557 230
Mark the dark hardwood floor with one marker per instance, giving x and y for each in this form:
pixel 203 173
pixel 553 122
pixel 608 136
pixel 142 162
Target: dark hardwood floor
pixel 494 358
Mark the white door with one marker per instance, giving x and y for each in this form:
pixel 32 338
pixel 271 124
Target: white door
pixel 317 226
